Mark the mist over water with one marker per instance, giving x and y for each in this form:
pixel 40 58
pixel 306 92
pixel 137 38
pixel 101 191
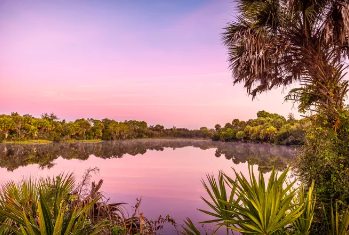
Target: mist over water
pixel 166 174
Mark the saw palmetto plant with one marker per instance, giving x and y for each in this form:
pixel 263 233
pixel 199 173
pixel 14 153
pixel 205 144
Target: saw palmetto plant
pixel 58 206
pixel 254 206
pixel 63 221
pixel 45 206
pixel 265 208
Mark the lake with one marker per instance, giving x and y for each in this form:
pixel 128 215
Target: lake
pixel 165 173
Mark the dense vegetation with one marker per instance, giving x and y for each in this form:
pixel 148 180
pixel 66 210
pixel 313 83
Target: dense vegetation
pixel 15 127
pixel 267 127
pixel 325 159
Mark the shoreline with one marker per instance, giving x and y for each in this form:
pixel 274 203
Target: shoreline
pixel 43 142
pixel 29 142
pixel 25 142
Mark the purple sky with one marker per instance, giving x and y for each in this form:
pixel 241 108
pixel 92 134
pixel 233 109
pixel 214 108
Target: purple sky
pixel 161 61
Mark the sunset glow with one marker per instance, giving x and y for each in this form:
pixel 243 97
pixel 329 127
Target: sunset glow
pixel 157 61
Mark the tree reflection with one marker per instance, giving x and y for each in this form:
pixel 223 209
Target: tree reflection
pixel 265 156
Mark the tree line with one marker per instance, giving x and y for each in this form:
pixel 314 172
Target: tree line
pixel 15 127
pixel 267 127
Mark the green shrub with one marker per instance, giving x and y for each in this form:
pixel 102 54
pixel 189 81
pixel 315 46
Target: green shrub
pixel 324 159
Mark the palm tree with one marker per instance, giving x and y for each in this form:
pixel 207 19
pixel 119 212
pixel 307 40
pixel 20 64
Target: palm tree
pixel 275 43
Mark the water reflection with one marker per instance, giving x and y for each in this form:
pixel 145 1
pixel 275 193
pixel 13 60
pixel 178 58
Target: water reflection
pixel 13 156
pixel 165 173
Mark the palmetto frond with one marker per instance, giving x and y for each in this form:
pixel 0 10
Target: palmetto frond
pixel 220 193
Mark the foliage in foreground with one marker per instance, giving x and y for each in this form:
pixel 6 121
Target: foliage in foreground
pixel 59 206
pixel 252 206
pixel 324 159
pixel 45 207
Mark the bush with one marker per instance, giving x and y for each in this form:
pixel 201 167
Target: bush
pixel 324 159
pixel 240 135
pixel 281 137
pixel 215 137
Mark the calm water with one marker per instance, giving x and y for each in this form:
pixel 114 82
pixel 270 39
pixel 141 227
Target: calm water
pixel 165 173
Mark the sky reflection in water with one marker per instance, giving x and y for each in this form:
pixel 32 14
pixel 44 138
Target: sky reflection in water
pixel 165 173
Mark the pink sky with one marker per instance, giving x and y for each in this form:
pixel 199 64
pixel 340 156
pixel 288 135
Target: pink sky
pixel 161 62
